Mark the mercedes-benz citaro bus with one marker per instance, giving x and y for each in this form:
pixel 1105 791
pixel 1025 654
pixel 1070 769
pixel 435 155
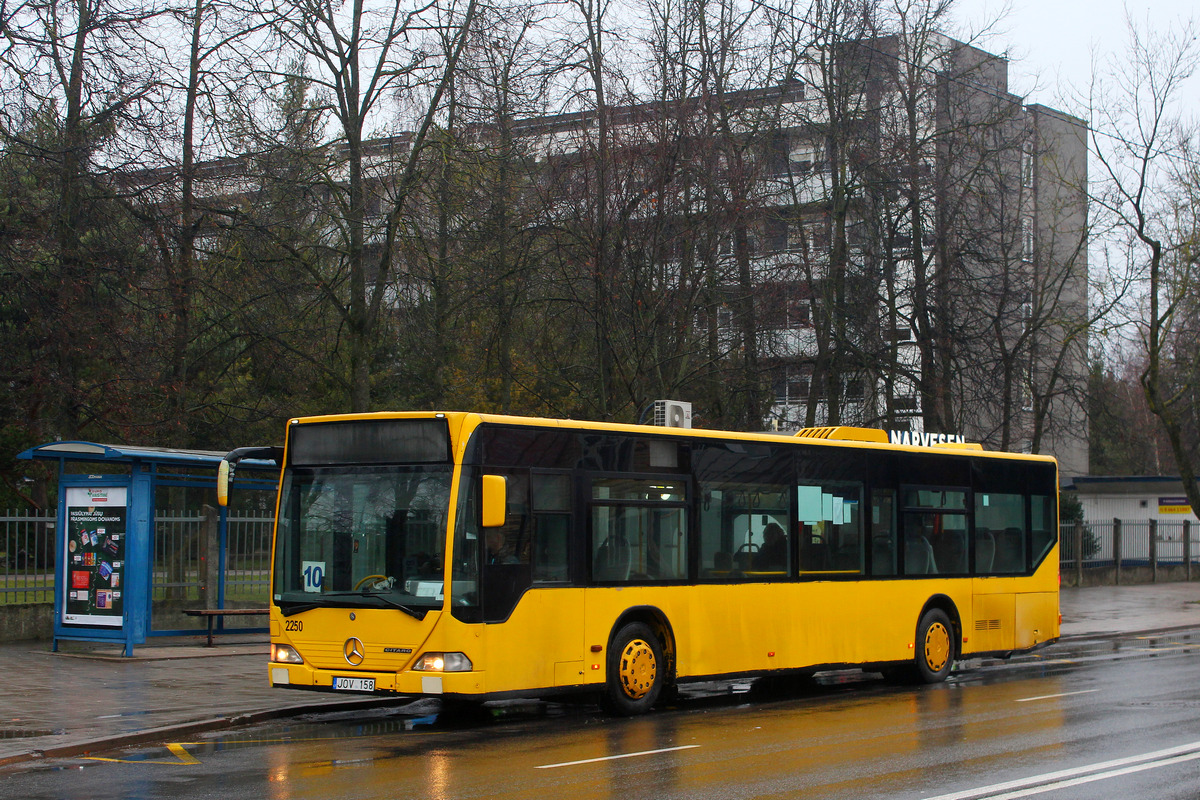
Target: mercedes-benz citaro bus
pixel 476 557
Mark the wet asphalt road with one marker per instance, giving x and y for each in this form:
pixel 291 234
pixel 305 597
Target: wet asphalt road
pixel 1092 728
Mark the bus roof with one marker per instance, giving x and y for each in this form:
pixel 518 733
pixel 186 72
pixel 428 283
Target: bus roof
pixel 833 436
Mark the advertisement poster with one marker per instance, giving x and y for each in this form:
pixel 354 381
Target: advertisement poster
pixel 95 548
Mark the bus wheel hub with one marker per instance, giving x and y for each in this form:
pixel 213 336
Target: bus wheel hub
pixel 638 669
pixel 937 646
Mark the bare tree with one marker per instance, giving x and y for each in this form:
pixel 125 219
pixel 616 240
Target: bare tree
pixel 473 241
pixel 363 56
pixel 1144 151
pixel 77 82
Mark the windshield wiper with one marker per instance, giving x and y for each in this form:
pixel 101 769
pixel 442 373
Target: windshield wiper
pixel 416 613
pixel 296 607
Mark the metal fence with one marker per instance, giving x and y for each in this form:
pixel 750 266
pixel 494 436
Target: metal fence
pixel 187 560
pixel 1169 548
pixel 27 556
pixel 187 566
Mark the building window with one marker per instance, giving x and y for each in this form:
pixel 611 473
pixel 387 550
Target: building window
pixel 1027 167
pixel 1027 238
pixel 776 235
pixel 790 385
pixel 811 236
pixel 806 157
pixel 799 315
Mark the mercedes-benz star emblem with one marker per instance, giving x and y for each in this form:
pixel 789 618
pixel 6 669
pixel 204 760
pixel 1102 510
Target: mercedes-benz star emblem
pixel 354 651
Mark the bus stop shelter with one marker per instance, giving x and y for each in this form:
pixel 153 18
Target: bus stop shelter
pixel 104 537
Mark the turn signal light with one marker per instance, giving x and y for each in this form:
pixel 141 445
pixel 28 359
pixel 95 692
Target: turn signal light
pixel 285 654
pixel 443 662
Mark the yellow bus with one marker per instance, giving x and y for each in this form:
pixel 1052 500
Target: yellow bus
pixel 475 557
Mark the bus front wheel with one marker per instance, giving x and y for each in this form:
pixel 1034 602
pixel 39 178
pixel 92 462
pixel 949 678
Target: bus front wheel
pixel 934 646
pixel 635 670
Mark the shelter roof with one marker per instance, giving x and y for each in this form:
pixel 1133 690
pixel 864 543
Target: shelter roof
pixel 91 451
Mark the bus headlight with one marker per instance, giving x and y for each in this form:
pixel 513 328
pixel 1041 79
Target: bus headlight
pixel 285 654
pixel 443 662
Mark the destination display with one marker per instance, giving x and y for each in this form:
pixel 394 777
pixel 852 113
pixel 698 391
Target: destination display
pixel 95 562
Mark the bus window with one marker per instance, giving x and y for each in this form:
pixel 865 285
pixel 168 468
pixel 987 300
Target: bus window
pixel 949 542
pixel 918 552
pixel 773 556
pixel 999 533
pixel 883 532
pixel 467 557
pixel 830 525
pixel 361 527
pixel 638 530
pixel 1044 526
pixel 551 527
pixel 743 491
pixel 935 531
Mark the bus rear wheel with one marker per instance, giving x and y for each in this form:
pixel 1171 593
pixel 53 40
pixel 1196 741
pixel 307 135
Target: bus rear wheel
pixel 935 647
pixel 635 670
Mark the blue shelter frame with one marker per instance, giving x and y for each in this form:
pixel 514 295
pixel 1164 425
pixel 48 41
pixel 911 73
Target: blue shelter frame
pixel 144 476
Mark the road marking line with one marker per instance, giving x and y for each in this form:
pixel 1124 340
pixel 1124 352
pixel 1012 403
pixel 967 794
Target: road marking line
pixel 614 758
pixel 1052 696
pixel 1116 773
pixel 184 758
pixel 133 761
pixel 181 754
pixel 1103 769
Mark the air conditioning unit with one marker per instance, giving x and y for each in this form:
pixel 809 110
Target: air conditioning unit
pixel 672 413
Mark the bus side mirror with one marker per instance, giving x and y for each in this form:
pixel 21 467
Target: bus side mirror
pixel 224 476
pixel 494 501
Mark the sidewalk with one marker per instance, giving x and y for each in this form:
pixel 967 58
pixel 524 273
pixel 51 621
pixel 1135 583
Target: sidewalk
pixel 68 703
pixel 83 700
pixel 1098 611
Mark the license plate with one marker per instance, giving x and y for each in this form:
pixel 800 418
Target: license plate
pixel 354 684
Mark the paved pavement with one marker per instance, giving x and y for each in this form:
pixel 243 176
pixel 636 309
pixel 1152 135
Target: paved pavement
pixel 89 698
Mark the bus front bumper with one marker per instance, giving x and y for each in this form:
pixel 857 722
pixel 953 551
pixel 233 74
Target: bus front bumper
pixel 409 682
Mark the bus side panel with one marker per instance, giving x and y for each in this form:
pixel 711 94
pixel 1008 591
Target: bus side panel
pixel 744 628
pixel 725 629
pixel 540 646
pixel 1037 618
pixel 1037 606
pixel 842 623
pixel 879 618
pixel 731 629
pixel 990 626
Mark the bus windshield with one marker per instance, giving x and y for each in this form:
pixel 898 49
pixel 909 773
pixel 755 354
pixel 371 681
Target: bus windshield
pixel 370 537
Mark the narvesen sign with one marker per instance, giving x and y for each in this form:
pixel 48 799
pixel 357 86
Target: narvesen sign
pixel 925 439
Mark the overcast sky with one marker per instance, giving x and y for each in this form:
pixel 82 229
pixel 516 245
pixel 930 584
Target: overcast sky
pixel 1051 43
